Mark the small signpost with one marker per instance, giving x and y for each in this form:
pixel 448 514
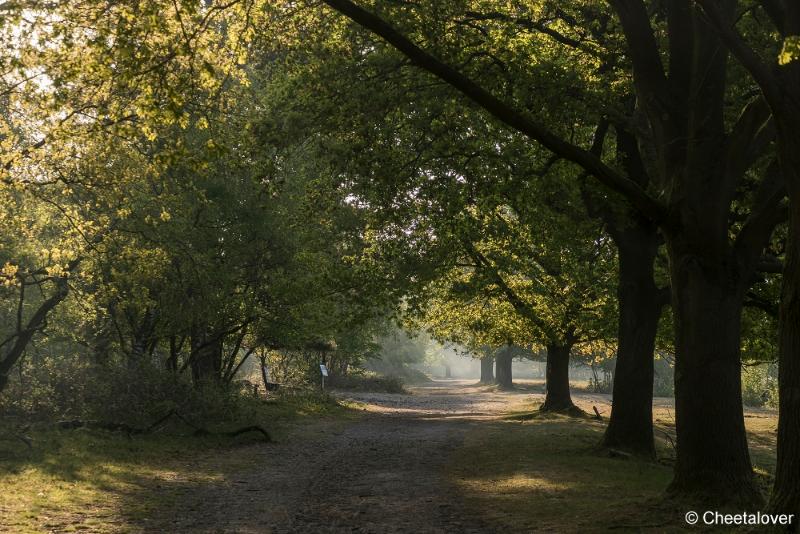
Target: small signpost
pixel 324 371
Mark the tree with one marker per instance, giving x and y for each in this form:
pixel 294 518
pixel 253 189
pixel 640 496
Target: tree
pixel 413 130
pixel 779 82
pixel 557 284
pixel 216 240
pixel 487 366
pixel 709 270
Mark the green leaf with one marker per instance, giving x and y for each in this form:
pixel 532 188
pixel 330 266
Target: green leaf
pixel 790 51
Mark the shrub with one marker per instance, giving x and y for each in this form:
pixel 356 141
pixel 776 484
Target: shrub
pixel 760 385
pixel 71 387
pixel 663 378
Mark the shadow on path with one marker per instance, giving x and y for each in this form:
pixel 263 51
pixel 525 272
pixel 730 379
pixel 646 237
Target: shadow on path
pixel 384 472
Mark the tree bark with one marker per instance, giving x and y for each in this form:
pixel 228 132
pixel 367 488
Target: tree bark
pixel 174 349
pixel 142 338
pixel 206 357
pixel 786 491
pixel 557 398
pixel 487 370
pixel 713 459
pixel 504 359
pixel 630 426
pixel 780 88
pixel 447 371
pixel 264 377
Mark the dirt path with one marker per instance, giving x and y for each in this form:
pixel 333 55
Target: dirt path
pixel 381 473
pixel 390 470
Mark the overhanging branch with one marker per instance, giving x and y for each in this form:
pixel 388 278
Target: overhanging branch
pixel 644 203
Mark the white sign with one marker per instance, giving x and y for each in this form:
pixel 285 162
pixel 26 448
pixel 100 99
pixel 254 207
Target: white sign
pixel 323 369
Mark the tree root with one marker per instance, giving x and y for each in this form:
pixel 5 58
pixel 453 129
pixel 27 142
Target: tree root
pixel 130 431
pixel 570 409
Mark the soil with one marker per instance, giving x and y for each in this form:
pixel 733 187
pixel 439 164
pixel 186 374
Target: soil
pixel 391 469
pixel 383 472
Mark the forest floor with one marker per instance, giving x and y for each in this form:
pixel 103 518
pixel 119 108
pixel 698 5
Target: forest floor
pixel 449 457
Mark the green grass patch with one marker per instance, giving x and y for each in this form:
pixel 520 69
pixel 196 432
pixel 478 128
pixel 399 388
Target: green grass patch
pixel 537 471
pixel 74 480
pixel 546 473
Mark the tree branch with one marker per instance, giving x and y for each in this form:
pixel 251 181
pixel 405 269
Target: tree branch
pixel 37 320
pixel 648 206
pixel 515 300
pixel 647 65
pixel 759 70
pixel 751 134
pixel 533 26
pixel 766 214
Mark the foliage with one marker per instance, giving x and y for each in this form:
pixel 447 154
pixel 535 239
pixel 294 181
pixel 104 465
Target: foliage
pixel 790 51
pixel 760 385
pixel 663 377
pixel 188 186
pixel 397 352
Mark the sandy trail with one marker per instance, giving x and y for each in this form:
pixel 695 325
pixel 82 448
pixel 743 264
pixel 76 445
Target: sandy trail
pixel 384 472
pixel 381 473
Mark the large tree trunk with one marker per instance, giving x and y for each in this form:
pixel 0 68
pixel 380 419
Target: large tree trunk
pixel 630 427
pixel 786 491
pixel 713 460
pixel 504 359
pixel 487 370
pixel 557 398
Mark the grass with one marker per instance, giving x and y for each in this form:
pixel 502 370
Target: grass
pixel 545 473
pixel 91 480
pixel 521 473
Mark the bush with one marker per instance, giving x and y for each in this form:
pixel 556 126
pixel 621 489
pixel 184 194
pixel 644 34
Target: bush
pixel 760 385
pixel 601 380
pixel 45 388
pixel 140 395
pixel 663 379
pixel 70 387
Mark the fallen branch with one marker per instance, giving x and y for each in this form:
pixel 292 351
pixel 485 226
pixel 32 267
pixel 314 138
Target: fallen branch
pixel 100 425
pixel 668 436
pixel 129 430
pixel 597 413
